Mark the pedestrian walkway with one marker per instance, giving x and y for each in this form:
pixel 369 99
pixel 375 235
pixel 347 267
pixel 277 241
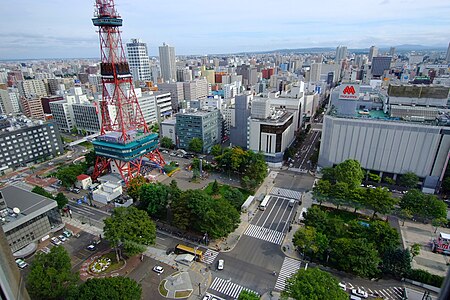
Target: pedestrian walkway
pixel 265 234
pixel 228 288
pixel 392 293
pixel 286 193
pixel 209 256
pixel 289 267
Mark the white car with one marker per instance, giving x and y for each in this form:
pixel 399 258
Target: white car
pixel 62 238
pixel 360 293
pixel 220 264
pixel 342 286
pixel 158 269
pixel 55 241
pixel 21 263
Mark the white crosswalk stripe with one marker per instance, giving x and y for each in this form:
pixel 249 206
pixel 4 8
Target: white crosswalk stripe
pixel 265 234
pixel 392 293
pixel 286 193
pixel 289 267
pixel 209 256
pixel 228 288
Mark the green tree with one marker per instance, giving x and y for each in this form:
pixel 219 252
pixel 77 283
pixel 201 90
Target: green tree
pixel 109 288
pixel 215 188
pixel 248 295
pixel 415 250
pixel 308 240
pixel 220 220
pixel 329 174
pixel 196 145
pixel 166 142
pixel 61 199
pixel 216 150
pixel 40 191
pixel 313 284
pixel 134 187
pixel 426 206
pixel 32 169
pixel 438 223
pixel 350 172
pixel 339 193
pixel 409 180
pixel 379 200
pixel 130 226
pixel 389 180
pixel 74 130
pixel 383 236
pixel 322 190
pixel 83 132
pixel 68 175
pixel 397 262
pixel 154 196
pixel 181 212
pixel 234 197
pixel 358 256
pixel 405 214
pixel 50 275
pixel 374 177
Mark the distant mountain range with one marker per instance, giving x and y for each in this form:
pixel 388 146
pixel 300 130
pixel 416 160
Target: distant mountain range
pixel 399 48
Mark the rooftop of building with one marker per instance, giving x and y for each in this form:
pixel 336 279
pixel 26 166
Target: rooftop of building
pixel 21 203
pixel 278 116
pixel 196 112
pixel 12 123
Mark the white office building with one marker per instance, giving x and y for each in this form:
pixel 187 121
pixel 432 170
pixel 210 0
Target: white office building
pixel 138 60
pixel 167 63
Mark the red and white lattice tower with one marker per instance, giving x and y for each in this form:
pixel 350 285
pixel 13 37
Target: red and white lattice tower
pixel 125 143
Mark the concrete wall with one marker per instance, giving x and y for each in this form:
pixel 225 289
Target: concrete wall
pixel 385 146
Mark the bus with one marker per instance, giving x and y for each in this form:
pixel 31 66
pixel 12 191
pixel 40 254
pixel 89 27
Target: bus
pixel 264 203
pixel 179 249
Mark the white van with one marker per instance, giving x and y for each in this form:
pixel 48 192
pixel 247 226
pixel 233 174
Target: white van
pixel 291 203
pixel 353 297
pixel 301 218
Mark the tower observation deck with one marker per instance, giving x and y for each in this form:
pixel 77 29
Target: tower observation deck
pixel 124 138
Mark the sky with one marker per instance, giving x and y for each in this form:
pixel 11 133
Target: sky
pixel 63 29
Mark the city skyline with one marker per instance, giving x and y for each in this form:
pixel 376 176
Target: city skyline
pixel 196 28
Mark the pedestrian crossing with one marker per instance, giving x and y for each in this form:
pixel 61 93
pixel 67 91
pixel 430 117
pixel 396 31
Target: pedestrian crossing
pixel 392 293
pixel 228 288
pixel 209 256
pixel 265 234
pixel 286 193
pixel 289 267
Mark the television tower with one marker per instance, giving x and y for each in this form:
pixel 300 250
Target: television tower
pixel 125 144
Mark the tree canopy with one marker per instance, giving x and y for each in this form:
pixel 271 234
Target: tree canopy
pixel 131 227
pixel 109 288
pixel 196 145
pixel 423 205
pixel 68 174
pixel 247 295
pixel 313 284
pixel 409 180
pixel 50 275
pixel 60 198
pixel 166 142
pixel 350 172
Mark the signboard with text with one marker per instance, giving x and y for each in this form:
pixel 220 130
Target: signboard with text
pixel 349 91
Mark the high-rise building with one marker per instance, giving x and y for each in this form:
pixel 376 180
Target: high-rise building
pixel 447 58
pixel 32 88
pixel 341 53
pixel 167 62
pixel 392 51
pixel 6 106
pixel 24 141
pixel 380 64
pixel 32 108
pixel 314 74
pixel 242 112
pixel 196 89
pixel 184 75
pixel 373 51
pixel 138 60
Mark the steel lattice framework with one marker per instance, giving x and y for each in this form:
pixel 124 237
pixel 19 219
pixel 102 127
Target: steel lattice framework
pixel 124 139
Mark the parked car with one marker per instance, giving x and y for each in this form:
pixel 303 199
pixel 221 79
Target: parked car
pixel 91 247
pixel 21 263
pixel 158 269
pixel 62 238
pixel 67 233
pixel 360 293
pixel 220 264
pixel 343 286
pixel 55 241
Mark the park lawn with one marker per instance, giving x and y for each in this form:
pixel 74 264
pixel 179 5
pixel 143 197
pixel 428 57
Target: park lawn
pixel 88 145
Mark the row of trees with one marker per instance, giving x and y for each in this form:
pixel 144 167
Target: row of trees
pixel 192 209
pixel 60 198
pixel 51 278
pixel 354 246
pixel 424 206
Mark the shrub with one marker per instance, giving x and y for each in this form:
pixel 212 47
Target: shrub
pixel 425 277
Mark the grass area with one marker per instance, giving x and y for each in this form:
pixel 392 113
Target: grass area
pixel 344 215
pixel 114 264
pixel 223 188
pixel 183 294
pixel 162 289
pixel 86 144
pixel 67 140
